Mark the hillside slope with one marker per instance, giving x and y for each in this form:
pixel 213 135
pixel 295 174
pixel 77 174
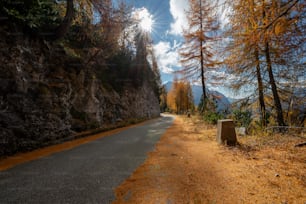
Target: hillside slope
pixel 47 95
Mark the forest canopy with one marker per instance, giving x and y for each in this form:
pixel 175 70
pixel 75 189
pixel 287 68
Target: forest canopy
pixel 260 45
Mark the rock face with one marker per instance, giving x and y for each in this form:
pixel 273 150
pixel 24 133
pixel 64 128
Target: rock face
pixel 46 96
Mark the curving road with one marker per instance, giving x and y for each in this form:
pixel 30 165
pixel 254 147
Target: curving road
pixel 86 174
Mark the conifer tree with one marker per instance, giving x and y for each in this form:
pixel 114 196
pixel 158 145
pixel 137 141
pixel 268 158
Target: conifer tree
pixel 197 53
pixel 269 43
pixel 180 97
pixel 244 49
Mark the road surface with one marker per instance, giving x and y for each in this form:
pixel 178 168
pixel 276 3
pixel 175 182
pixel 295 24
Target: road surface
pixel 86 174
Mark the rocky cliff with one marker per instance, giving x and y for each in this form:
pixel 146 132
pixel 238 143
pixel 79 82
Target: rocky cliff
pixel 47 95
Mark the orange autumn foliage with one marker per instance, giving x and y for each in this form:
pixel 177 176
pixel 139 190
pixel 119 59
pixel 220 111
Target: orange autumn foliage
pixel 180 98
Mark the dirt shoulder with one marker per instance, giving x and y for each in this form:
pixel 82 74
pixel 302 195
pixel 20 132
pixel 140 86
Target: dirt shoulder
pixel 188 166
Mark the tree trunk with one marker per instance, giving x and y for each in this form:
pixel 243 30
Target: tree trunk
pixel 260 90
pixel 202 63
pixel 64 27
pixel 277 103
pixel 203 80
pixel 259 78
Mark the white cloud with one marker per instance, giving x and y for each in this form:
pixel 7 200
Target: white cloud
pixel 217 78
pixel 224 10
pixel 145 19
pixel 177 10
pixel 220 77
pixel 167 56
pixel 179 7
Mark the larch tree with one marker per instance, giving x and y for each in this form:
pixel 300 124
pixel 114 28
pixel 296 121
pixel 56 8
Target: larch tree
pixel 171 95
pixel 269 43
pixel 283 31
pixel 180 97
pixel 197 54
pixel 243 58
pixel 266 41
pixel 189 97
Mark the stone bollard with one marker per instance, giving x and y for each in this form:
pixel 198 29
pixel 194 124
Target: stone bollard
pixel 240 131
pixel 226 132
pixel 188 114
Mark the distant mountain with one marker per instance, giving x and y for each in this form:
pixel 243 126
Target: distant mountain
pixel 223 102
pixel 197 93
pixel 233 100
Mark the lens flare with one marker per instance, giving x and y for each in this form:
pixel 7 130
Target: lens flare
pixel 145 19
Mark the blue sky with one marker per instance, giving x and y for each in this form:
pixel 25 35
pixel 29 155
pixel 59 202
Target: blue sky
pixel 168 16
pixel 169 19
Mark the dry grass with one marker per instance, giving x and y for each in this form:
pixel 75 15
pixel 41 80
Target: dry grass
pixel 189 167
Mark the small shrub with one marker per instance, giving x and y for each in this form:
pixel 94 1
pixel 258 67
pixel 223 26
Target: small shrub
pixel 242 118
pixel 212 117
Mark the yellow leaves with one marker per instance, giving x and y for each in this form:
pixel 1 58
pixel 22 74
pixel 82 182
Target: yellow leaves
pixel 179 98
pixel 280 26
pixel 171 100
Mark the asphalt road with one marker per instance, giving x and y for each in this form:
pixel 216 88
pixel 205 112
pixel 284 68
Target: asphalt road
pixel 86 174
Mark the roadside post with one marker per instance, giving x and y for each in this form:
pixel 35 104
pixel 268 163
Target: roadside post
pixel 226 132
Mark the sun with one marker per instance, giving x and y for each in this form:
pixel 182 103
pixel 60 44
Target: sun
pixel 146 23
pixel 145 19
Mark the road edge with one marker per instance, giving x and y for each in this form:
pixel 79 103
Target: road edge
pixel 20 158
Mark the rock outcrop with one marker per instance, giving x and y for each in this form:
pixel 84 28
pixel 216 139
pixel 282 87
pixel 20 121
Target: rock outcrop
pixel 47 95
